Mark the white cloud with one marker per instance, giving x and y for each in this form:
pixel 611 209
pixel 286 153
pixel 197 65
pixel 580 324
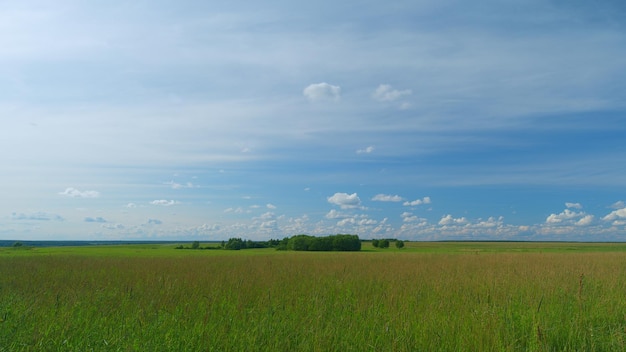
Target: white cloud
pixel 618 214
pixel 385 92
pixel 164 202
pixel 270 224
pixel 270 206
pixel 449 220
pixel 569 217
pixel 585 220
pixel 409 217
pixel 346 221
pixel 207 227
pixel 387 198
pixel 367 222
pixel 425 200
pixel 366 150
pixel 345 201
pixel 491 222
pixel 618 205
pixel 564 216
pixel 322 92
pixel 74 193
pixel 334 214
pixel 131 205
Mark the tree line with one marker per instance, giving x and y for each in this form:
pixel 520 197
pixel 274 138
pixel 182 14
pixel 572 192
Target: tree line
pixel 339 242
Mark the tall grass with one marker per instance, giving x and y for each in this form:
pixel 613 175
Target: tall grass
pixel 315 302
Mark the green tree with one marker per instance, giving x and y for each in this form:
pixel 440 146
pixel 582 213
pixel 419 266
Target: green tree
pixel 399 244
pixel 299 243
pixel 383 244
pixel 195 245
pixel 375 243
pixel 235 243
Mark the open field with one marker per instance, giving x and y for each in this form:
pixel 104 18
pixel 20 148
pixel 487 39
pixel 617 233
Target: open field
pixel 426 297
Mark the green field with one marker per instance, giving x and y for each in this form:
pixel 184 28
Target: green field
pixel 473 296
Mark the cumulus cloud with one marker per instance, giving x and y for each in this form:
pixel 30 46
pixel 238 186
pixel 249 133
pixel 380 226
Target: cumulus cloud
pixel 366 150
pixel 570 217
pixel 618 214
pixel 345 201
pixel 96 219
pixel 409 217
pixel 387 198
pixel 491 222
pixel 74 193
pixel 385 92
pixel 154 222
pixel 618 205
pixel 346 221
pixel 449 220
pixel 131 205
pixel 322 92
pixel 585 220
pixel 425 200
pixel 164 202
pixel 563 216
pixel 270 206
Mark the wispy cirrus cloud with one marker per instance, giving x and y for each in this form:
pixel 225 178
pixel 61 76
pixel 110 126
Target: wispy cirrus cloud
pixel 425 200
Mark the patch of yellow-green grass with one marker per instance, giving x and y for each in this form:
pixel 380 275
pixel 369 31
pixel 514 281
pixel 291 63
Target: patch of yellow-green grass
pixel 115 298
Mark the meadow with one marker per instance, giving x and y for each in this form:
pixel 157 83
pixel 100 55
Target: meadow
pixel 425 297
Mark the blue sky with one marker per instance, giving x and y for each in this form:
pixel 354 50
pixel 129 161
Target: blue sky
pixel 421 120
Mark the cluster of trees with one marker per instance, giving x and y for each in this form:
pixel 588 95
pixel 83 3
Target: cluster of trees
pixel 237 243
pixel 384 243
pixel 328 243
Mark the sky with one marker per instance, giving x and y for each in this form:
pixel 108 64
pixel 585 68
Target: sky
pixel 419 120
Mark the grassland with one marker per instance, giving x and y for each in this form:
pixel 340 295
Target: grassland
pixel 427 297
